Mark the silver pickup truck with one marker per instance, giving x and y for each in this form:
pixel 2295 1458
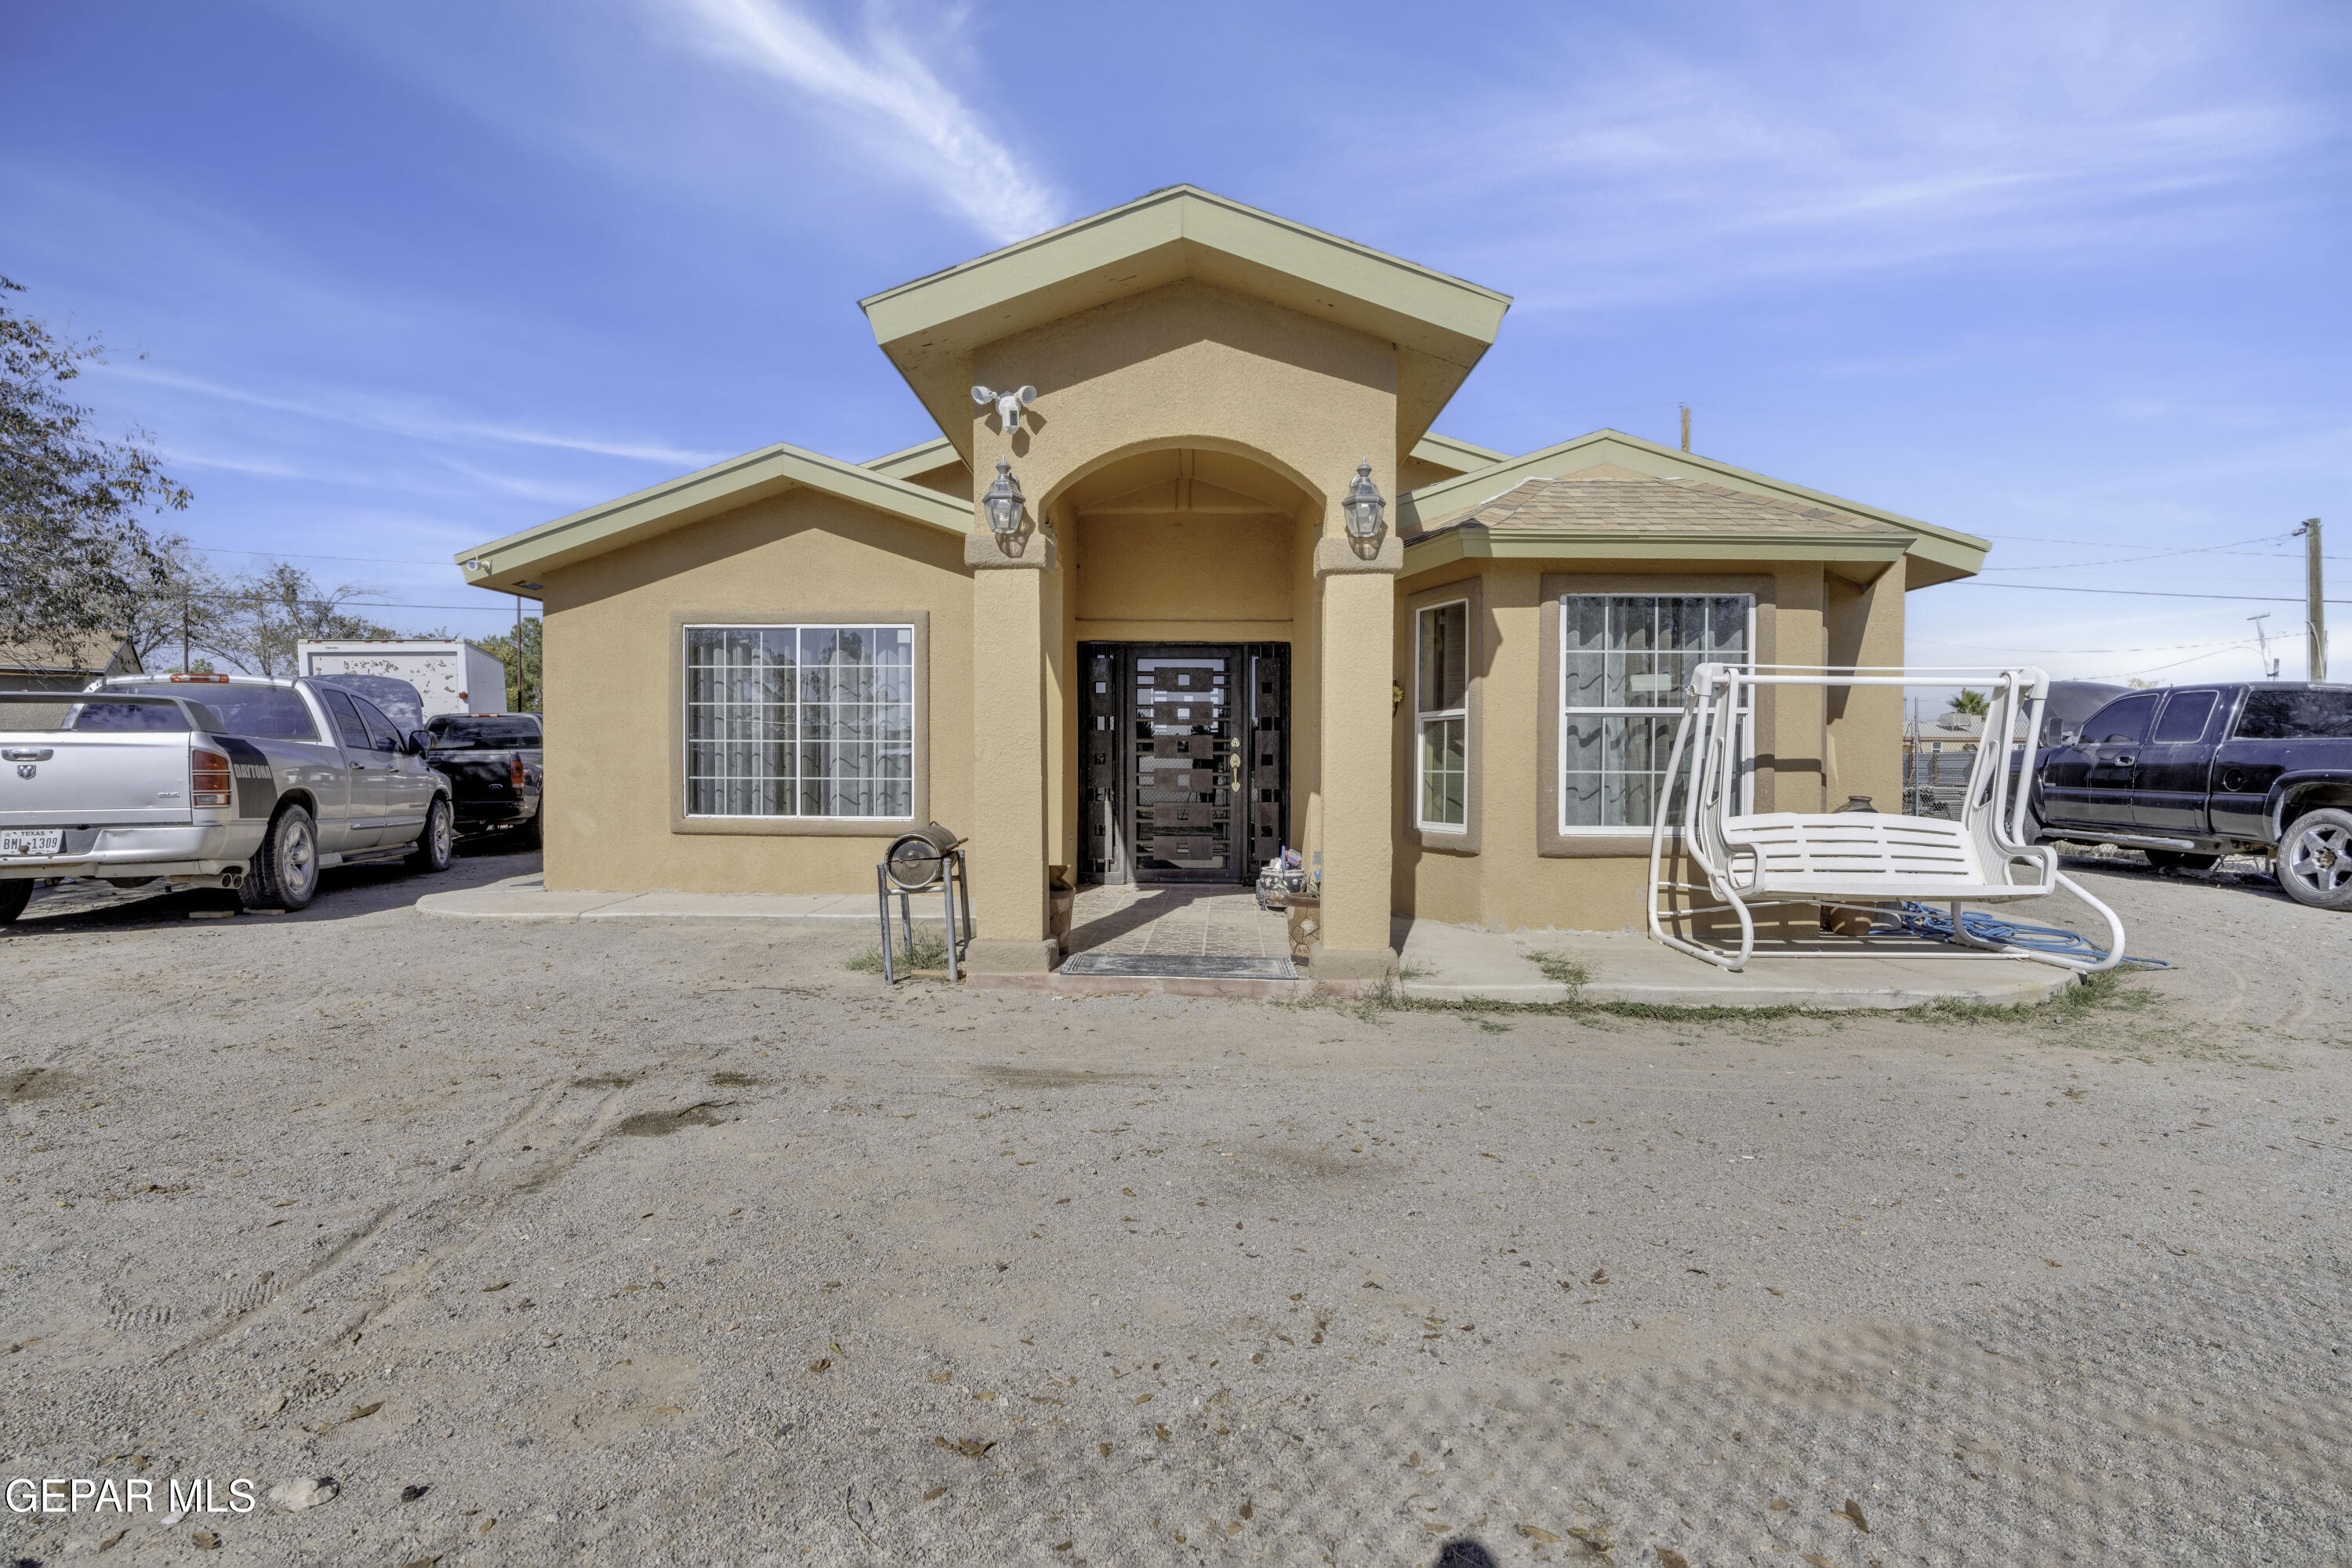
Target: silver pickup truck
pixel 228 780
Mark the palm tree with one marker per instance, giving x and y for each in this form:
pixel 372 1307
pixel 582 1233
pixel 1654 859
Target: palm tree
pixel 1971 704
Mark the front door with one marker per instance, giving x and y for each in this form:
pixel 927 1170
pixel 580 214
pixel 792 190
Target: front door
pixel 1186 760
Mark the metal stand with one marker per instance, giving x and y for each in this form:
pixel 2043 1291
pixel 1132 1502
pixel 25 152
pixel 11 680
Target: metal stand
pixel 955 897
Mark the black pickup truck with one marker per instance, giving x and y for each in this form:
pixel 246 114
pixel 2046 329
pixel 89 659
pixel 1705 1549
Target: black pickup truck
pixel 494 762
pixel 2190 774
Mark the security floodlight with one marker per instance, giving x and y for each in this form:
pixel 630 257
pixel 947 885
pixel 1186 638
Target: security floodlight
pixel 1004 504
pixel 1363 505
pixel 1009 404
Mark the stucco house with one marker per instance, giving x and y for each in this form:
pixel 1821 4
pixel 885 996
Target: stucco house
pixel 1172 657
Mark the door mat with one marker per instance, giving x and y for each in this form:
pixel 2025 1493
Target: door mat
pixel 1177 966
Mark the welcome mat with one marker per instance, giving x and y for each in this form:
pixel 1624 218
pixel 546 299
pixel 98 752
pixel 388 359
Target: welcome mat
pixel 1177 966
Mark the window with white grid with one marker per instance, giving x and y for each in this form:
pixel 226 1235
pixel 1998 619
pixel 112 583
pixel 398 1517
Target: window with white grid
pixel 1440 687
pixel 1625 659
pixel 800 720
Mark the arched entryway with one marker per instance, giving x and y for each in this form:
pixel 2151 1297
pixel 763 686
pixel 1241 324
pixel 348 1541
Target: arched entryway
pixel 1184 608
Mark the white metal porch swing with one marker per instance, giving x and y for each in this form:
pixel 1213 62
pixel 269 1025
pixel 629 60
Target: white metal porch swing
pixel 1859 861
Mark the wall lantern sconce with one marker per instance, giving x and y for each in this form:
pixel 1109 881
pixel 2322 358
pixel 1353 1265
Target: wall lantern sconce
pixel 1004 502
pixel 1363 505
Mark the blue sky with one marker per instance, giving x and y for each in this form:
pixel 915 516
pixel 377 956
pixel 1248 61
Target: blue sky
pixel 408 277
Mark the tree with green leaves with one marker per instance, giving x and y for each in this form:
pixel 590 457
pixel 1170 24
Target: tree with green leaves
pixel 75 556
pixel 520 650
pixel 1971 704
pixel 266 615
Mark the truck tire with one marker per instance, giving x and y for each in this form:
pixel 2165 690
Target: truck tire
pixel 15 895
pixel 2314 860
pixel 285 874
pixel 527 836
pixel 2181 860
pixel 437 844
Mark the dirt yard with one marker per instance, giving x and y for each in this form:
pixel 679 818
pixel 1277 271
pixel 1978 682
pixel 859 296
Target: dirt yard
pixel 652 1244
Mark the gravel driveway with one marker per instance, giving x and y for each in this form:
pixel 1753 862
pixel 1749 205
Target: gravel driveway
pixel 687 1243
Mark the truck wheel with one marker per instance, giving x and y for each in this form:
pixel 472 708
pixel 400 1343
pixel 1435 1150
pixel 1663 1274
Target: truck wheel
pixel 2181 860
pixel 285 874
pixel 2314 860
pixel 436 844
pixel 527 836
pixel 14 896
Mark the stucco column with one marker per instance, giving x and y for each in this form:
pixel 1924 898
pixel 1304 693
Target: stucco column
pixel 1010 845
pixel 1357 585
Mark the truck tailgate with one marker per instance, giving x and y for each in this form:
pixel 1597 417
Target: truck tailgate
pixel 76 778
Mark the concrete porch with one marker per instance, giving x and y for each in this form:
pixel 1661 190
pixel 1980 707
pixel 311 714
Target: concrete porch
pixel 1216 941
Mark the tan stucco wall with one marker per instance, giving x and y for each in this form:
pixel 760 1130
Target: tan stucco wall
pixel 1182 567
pixel 1864 627
pixel 615 676
pixel 1509 884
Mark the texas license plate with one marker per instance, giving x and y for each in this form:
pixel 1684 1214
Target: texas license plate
pixel 31 841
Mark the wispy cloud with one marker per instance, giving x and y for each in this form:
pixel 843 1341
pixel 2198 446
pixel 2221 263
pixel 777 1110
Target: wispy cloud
pixel 413 420
pixel 1644 174
pixel 884 94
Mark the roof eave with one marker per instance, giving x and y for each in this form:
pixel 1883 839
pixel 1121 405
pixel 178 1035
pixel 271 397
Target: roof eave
pixel 1469 541
pixel 513 565
pixel 927 327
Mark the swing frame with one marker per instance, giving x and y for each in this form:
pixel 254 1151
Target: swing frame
pixel 1857 861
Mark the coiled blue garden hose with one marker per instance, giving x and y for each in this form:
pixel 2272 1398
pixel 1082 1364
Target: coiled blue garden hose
pixel 1934 924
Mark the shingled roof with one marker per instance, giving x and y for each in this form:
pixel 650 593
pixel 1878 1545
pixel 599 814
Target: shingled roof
pixel 1625 503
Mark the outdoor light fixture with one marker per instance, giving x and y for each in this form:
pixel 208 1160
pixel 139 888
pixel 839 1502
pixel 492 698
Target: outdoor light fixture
pixel 1009 404
pixel 1004 500
pixel 1364 506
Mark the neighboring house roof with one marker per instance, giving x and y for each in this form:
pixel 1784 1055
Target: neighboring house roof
pixel 513 565
pixel 1437 523
pixel 1441 325
pixel 91 653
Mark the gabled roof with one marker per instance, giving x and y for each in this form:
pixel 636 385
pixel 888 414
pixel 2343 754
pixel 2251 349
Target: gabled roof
pixel 1441 325
pixel 514 565
pixel 1427 518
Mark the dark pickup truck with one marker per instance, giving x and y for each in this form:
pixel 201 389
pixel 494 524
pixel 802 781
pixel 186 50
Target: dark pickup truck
pixel 2190 774
pixel 495 764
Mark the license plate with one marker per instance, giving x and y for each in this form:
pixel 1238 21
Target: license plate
pixel 37 841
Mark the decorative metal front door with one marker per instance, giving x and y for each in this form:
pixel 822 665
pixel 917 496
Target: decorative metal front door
pixel 1185 760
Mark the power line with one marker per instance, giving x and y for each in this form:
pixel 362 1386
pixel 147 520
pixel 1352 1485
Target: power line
pixel 2159 647
pixel 2110 544
pixel 299 555
pixel 2138 593
pixel 339 604
pixel 2127 561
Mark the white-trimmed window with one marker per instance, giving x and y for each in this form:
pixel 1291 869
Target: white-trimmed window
pixel 1442 716
pixel 800 720
pixel 1624 661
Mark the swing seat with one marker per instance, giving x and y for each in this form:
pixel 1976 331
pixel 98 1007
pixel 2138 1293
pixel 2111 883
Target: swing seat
pixel 1858 858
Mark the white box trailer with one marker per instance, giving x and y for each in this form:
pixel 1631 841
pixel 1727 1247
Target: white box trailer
pixel 451 676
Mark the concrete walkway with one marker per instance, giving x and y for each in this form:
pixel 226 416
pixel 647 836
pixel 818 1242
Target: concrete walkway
pixel 528 898
pixel 1439 963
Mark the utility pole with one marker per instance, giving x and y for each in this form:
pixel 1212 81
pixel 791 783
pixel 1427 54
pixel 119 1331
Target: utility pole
pixel 2315 613
pixel 1686 408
